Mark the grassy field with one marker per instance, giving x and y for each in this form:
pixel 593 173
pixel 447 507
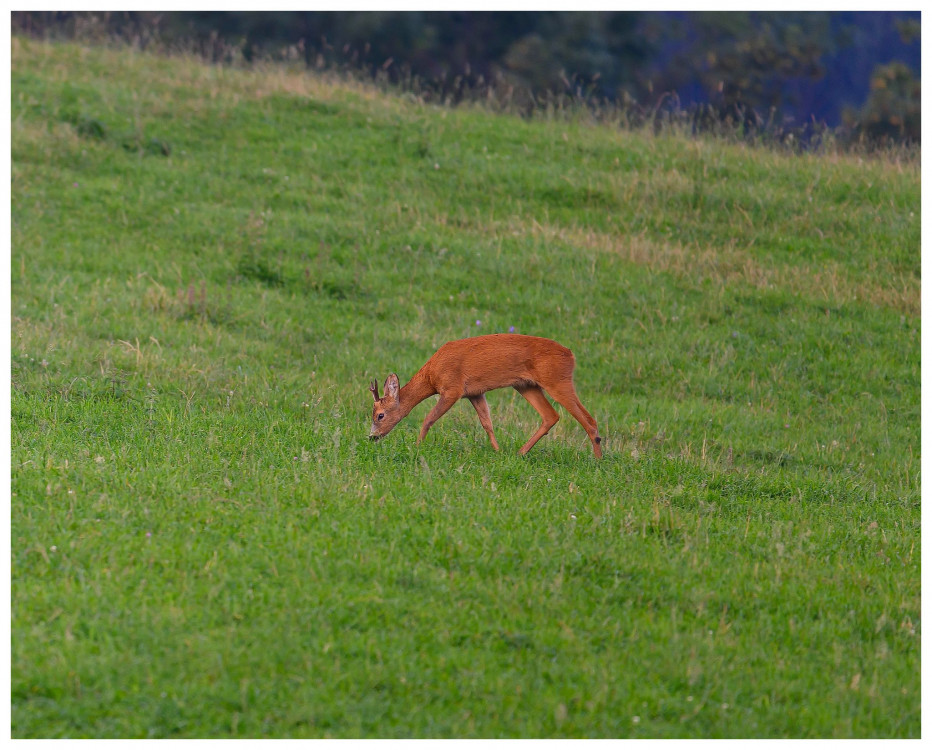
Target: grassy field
pixel 208 267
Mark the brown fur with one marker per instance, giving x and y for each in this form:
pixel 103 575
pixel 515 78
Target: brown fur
pixel 469 368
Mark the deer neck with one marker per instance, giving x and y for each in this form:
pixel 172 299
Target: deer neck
pixel 415 391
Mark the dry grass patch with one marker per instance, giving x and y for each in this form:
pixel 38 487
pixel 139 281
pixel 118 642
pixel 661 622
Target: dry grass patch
pixel 729 264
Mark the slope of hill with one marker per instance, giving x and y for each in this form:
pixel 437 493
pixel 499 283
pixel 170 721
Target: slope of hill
pixel 209 265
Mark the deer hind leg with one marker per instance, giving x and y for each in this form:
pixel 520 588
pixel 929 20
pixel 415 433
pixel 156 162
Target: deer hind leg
pixel 538 400
pixel 565 395
pixel 485 416
pixel 440 408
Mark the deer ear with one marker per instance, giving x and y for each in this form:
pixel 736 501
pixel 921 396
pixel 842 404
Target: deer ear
pixel 391 386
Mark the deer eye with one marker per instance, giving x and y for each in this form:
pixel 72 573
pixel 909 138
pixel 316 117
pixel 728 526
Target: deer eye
pixel 382 416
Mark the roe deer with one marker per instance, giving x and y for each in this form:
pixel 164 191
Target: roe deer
pixel 469 367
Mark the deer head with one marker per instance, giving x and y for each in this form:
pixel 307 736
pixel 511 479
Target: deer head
pixel 386 411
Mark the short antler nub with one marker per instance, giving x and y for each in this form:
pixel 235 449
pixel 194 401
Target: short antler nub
pixel 375 389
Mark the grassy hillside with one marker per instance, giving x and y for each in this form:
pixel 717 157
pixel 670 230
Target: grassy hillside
pixel 209 265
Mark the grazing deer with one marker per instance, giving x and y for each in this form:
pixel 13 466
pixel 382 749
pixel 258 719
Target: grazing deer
pixel 469 367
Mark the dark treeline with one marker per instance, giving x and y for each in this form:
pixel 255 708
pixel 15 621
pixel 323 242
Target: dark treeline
pixel 854 71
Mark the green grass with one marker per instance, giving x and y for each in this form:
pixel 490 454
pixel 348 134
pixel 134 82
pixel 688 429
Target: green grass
pixel 208 267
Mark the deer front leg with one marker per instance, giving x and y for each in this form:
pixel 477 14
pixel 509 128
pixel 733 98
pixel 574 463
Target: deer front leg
pixel 440 408
pixel 485 416
pixel 548 414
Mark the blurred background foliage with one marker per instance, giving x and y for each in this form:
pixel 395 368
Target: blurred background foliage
pixel 856 72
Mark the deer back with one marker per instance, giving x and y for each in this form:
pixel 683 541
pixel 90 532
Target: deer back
pixel 483 363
